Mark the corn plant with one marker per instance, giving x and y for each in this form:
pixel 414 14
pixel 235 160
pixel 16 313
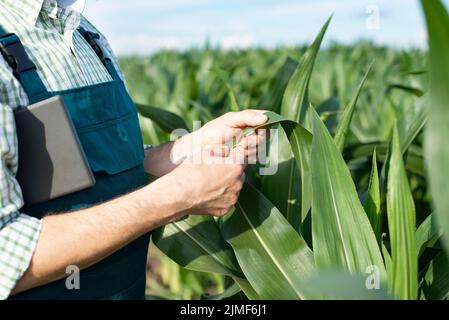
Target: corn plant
pixel 349 212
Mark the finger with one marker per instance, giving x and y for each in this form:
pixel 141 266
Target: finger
pixel 263 133
pixel 249 142
pixel 237 155
pixel 246 118
pixel 212 154
pixel 263 138
pixel 242 178
pixel 252 145
pixel 220 150
pixel 219 212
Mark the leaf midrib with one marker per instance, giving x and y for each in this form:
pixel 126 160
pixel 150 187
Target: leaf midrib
pixel 340 230
pixel 210 253
pixel 268 251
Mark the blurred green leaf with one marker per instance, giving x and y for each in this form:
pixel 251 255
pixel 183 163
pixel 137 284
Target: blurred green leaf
pixel 339 285
pixel 223 76
pixel 415 91
pixel 426 235
pixel 402 226
pixel 166 120
pixel 346 117
pixel 232 100
pixel 272 98
pixel 372 200
pixel 411 123
pixel 232 290
pixel 436 280
pixel 388 263
pixel 437 130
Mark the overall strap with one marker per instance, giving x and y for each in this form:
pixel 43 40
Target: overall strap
pixel 93 40
pixel 23 68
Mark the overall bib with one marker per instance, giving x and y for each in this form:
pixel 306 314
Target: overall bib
pixel 106 122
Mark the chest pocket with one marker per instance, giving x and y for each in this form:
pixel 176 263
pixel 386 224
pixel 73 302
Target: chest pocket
pixel 107 125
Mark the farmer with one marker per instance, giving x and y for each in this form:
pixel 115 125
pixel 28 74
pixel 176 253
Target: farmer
pixel 102 230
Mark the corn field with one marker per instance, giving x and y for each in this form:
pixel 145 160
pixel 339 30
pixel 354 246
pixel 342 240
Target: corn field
pixel 358 207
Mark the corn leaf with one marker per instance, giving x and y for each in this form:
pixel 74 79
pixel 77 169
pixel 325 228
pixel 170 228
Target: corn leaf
pixel 388 264
pixel 341 232
pixel 372 200
pixel 296 102
pixel 234 106
pixel 300 141
pixel 437 130
pixel 283 188
pixel 338 285
pixel 247 289
pixel 301 145
pixel 294 197
pixel 402 226
pixel 348 112
pixel 427 235
pixel 230 291
pixel 166 120
pixel 436 280
pixel 224 78
pixel 411 123
pixel 285 196
pixel 195 243
pixel 270 252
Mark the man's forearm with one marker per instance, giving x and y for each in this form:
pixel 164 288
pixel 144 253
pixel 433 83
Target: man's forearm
pixel 163 159
pixel 87 236
pixel 157 160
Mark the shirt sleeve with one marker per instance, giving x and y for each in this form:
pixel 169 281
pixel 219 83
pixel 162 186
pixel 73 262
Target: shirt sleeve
pixel 18 232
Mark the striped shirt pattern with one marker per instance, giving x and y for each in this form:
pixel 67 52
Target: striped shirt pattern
pixel 64 60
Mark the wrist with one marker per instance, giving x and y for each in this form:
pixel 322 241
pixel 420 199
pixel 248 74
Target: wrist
pixel 164 199
pixel 182 149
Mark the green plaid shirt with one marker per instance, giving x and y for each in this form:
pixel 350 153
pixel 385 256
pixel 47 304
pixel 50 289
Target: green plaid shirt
pixel 64 60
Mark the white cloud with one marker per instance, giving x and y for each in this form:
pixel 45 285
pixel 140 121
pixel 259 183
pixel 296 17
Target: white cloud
pixel 142 44
pixel 96 7
pixel 237 41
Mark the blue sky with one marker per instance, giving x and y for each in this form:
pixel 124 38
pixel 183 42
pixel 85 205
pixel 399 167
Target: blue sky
pixel 145 26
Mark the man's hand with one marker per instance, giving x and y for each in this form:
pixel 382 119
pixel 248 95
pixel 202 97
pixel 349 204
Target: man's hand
pixel 215 135
pixel 211 187
pixel 212 137
pixel 210 184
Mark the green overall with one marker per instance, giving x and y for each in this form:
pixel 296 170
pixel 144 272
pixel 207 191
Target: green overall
pixel 106 121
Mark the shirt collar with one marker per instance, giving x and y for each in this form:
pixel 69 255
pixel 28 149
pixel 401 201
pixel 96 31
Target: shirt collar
pixel 75 5
pixel 30 10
